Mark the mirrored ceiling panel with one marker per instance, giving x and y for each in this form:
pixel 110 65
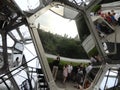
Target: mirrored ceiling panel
pixel 66 12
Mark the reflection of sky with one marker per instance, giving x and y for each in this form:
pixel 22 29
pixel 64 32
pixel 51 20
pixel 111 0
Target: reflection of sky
pixel 111 81
pixel 27 4
pixel 50 21
pixel 57 24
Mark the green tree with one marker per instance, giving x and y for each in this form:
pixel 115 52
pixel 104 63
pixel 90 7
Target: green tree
pixel 65 46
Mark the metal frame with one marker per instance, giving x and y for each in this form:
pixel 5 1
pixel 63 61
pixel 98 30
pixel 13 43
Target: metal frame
pixel 38 45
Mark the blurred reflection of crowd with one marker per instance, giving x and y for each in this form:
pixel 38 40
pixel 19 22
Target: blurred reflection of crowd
pixel 111 17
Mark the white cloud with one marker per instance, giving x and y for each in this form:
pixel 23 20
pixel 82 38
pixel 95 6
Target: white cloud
pixel 57 24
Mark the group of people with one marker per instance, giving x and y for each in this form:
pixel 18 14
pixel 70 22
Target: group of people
pixel 67 72
pixel 73 73
pixel 76 74
pixel 95 60
pixel 111 17
pixel 67 69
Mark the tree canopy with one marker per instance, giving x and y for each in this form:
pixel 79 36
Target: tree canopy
pixel 66 47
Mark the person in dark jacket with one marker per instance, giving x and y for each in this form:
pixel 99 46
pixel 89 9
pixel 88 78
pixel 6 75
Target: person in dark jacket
pixel 55 66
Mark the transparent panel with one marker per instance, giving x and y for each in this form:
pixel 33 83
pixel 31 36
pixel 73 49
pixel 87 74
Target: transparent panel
pixel 7 86
pixel 58 9
pixel 80 2
pixel 1 52
pixel 66 12
pixel 30 54
pixel 16 35
pixel 20 76
pixel 0 40
pixel 19 46
pixel 25 32
pixel 10 41
pixel 110 80
pixel 28 5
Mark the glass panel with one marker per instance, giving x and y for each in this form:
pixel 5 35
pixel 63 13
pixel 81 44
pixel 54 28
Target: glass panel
pixel 0 40
pixel 8 83
pixel 80 2
pixel 25 32
pixel 1 52
pixel 28 5
pixel 110 80
pixel 60 39
pixel 16 35
pixel 86 38
pixel 58 9
pixel 56 24
pixel 107 27
pixel 10 41
pixel 19 46
pixel 19 76
pixel 66 12
pixel 30 53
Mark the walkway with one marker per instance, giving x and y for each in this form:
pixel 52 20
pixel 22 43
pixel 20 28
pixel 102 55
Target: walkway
pixel 67 86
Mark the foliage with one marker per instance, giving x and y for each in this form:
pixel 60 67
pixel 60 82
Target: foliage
pixel 66 47
pixel 96 8
pixel 93 52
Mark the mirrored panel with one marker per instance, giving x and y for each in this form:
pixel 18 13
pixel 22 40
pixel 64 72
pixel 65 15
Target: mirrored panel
pixel 106 22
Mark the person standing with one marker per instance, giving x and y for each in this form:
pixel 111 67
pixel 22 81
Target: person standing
pixel 55 66
pixel 70 68
pixel 65 73
pixel 89 68
pixel 16 63
pixel 80 77
pixel 93 60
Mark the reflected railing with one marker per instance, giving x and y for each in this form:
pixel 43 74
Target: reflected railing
pixel 16 72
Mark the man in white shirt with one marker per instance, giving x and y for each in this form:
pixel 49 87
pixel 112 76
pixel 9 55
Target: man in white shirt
pixel 117 15
pixel 70 68
pixel 89 68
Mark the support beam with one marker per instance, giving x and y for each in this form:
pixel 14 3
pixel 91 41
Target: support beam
pixel 15 85
pixel 95 35
pixel 42 58
pixel 92 4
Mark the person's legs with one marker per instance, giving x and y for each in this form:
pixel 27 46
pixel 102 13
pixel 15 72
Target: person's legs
pixel 64 79
pixel 55 70
pixel 80 87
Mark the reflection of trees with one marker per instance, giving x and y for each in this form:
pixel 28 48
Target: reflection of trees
pixel 66 47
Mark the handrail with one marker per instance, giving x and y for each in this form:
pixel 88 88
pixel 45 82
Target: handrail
pixel 16 69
